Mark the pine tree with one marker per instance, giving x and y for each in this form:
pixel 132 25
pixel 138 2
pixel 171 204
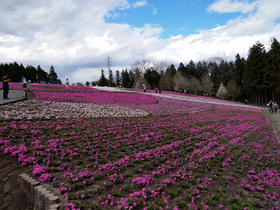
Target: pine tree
pixel 272 71
pixel 125 78
pixel 41 75
pixel 111 82
pixel 253 76
pixel 182 69
pixel 131 79
pixel 152 77
pixel 191 70
pixel 102 81
pixel 239 66
pixel 215 75
pixel 118 78
pixel 53 76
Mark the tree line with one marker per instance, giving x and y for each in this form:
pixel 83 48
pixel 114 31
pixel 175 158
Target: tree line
pixel 35 75
pixel 255 79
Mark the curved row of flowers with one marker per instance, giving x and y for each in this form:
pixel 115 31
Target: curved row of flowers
pixel 202 157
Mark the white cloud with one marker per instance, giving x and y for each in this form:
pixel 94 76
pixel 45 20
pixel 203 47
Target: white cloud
pixel 139 4
pixel 74 37
pixel 79 74
pixel 228 6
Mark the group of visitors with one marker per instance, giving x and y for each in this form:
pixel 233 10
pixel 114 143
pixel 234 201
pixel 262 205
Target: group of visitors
pixel 273 106
pixel 181 91
pixel 6 80
pixel 157 90
pixel 25 83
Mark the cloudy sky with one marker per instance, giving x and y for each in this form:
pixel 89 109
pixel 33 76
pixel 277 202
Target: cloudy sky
pixel 76 36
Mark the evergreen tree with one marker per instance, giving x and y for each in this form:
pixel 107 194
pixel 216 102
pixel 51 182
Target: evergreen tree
pixel 53 76
pixel 131 79
pixel 239 66
pixel 166 80
pixel 254 74
pixel 171 70
pixel 191 70
pixel 223 69
pixel 215 75
pixel 14 73
pixel 229 72
pixel 272 71
pixel 201 69
pixel 152 77
pixel 111 82
pixel 118 78
pixel 41 75
pixel 182 69
pixel 31 74
pixel 102 81
pixel 125 78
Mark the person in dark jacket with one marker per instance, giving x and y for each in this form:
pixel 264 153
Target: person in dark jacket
pixel 6 81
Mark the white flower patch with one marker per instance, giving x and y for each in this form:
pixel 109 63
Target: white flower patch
pixel 58 110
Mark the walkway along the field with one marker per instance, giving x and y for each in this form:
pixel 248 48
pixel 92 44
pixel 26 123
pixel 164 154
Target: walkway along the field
pixel 14 96
pixel 274 120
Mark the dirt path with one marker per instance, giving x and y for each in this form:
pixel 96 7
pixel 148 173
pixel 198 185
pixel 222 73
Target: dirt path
pixel 274 120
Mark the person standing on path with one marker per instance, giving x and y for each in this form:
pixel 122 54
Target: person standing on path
pixel 275 107
pixel 67 84
pixel 6 81
pixel 23 80
pixel 270 105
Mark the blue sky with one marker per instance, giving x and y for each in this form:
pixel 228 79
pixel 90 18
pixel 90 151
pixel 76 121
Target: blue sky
pixel 175 17
pixel 76 37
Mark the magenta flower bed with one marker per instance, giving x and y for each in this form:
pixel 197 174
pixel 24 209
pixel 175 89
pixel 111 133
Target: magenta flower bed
pixel 52 88
pixel 227 159
pixel 169 106
pixel 57 88
pixel 185 155
pixel 95 97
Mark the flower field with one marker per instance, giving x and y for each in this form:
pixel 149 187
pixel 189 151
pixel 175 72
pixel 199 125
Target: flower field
pixel 137 151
